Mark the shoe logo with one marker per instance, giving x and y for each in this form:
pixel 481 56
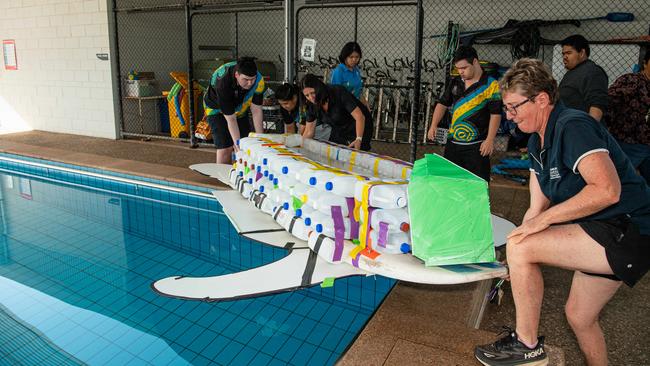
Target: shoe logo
pixel 534 353
pixel 489 355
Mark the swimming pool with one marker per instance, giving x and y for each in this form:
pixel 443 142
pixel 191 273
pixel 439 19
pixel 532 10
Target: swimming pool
pixel 80 247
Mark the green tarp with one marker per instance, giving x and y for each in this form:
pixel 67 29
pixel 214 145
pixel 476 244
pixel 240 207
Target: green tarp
pixel 449 209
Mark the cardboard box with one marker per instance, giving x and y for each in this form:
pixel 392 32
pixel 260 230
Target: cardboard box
pixel 140 88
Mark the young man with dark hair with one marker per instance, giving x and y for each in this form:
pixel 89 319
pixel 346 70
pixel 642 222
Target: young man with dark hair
pixel 474 101
pixel 584 86
pixel 235 87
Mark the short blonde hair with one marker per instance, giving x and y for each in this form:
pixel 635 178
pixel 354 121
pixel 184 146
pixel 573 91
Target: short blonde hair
pixel 529 77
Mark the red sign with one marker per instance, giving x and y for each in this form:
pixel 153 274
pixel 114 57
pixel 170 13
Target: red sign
pixel 9 52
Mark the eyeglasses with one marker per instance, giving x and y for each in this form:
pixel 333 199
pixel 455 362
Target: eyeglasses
pixel 513 110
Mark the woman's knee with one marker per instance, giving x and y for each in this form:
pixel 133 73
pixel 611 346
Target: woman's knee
pixel 519 252
pixel 578 318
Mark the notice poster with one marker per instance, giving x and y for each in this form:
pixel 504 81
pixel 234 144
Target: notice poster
pixel 308 49
pixel 9 53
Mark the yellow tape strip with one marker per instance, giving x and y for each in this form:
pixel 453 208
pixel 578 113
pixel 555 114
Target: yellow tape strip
pixel 365 222
pixel 353 157
pixel 375 168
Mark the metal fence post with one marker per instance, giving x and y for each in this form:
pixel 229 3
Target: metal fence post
pixel 190 72
pixel 415 106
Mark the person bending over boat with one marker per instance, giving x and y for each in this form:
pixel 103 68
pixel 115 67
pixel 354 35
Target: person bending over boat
pixel 350 120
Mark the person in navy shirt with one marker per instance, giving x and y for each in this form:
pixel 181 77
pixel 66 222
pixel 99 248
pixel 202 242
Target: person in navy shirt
pixel 589 212
pixel 347 73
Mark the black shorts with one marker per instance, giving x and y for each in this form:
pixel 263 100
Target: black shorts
pixel 627 250
pixel 469 157
pixel 220 133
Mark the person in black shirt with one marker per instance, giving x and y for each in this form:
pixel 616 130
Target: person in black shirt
pixel 584 86
pixel 235 87
pixel 350 120
pixel 293 113
pixel 589 213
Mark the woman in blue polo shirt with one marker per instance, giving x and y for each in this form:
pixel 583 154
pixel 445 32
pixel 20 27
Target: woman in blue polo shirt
pixel 347 73
pixel 589 212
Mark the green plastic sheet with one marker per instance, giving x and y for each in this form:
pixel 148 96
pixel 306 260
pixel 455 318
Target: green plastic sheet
pixel 449 209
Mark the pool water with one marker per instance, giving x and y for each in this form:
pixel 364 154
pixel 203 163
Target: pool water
pixel 78 255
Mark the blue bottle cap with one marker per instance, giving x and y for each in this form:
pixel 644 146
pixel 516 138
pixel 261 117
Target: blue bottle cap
pixel 275 181
pixel 319 228
pixel 285 206
pixel 265 161
pixel 259 169
pixel 312 181
pixel 262 189
pixel 329 186
pixel 308 221
pixel 405 248
pixel 298 212
pixel 271 176
pixel 285 170
pixel 241 174
pixel 266 173
pixel 250 180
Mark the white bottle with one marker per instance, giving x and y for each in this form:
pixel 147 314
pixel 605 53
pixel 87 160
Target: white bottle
pixel 325 202
pixel 312 195
pixel 299 191
pixel 279 197
pixel 326 226
pixel 396 218
pixel 395 243
pixel 263 202
pixel 314 217
pixel 383 195
pixel 304 211
pixel 342 185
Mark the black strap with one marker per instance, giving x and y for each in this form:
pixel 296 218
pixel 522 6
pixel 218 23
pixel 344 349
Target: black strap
pixel 277 213
pixel 293 221
pixel 319 241
pixel 309 269
pixel 260 231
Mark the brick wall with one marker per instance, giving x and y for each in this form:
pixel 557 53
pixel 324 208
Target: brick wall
pixel 60 84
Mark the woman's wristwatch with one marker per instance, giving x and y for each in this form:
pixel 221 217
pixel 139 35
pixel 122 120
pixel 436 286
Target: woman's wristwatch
pixel 359 138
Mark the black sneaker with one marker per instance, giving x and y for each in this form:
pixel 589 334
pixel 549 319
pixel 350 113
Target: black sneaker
pixel 509 351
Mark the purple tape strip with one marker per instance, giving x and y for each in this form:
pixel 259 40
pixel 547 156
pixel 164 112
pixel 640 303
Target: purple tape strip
pixel 355 260
pixel 258 176
pixel 383 234
pixel 339 232
pixel 354 224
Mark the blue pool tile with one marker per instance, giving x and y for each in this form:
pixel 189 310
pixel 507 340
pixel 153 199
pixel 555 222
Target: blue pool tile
pixel 229 352
pixel 303 355
pixel 288 349
pixel 260 359
pixel 202 341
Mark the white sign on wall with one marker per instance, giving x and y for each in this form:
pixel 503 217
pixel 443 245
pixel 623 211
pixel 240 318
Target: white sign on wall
pixel 308 49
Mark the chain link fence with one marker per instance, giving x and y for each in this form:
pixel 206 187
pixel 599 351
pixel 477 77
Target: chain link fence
pixel 152 37
pixel 153 57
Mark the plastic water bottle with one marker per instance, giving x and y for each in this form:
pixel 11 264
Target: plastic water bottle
pixel 383 195
pixel 396 243
pixel 314 217
pixel 326 226
pixel 299 191
pixel 304 211
pixel 325 202
pixel 342 185
pixel 396 218
pixel 285 183
pixel 293 140
pixel 293 166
